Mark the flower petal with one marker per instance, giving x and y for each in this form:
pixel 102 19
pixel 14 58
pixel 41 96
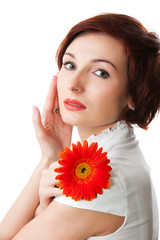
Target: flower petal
pixel 92 193
pixel 96 187
pixel 76 153
pixel 92 149
pixel 79 146
pixel 85 149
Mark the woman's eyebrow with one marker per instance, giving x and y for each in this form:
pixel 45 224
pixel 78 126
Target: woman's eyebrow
pixel 104 60
pixel 70 54
pixel 94 60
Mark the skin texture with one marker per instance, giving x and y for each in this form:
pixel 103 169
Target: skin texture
pixel 102 87
pixel 104 96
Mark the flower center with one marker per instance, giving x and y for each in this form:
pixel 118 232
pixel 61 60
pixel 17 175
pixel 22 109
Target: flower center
pixel 83 170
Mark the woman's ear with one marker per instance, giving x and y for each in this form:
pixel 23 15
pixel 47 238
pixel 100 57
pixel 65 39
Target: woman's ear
pixel 130 104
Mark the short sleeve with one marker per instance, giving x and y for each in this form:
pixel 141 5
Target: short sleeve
pixel 112 200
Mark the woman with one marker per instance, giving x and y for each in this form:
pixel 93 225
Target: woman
pixel 109 79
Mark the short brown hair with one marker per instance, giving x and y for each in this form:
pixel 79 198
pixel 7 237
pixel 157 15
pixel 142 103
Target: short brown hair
pixel 143 53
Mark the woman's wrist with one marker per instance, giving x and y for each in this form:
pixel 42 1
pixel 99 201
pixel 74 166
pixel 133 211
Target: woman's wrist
pixel 46 161
pixel 41 207
pixel 38 211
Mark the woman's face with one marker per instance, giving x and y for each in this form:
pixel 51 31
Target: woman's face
pixel 93 73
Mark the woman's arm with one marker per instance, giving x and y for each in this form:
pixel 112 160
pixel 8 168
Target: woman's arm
pixel 24 207
pixel 53 135
pixel 59 222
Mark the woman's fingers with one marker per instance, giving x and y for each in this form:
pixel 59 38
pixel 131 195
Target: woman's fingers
pixel 36 119
pixel 55 192
pixel 49 180
pixel 48 188
pixel 50 102
pixel 54 165
pixel 49 175
pixel 48 193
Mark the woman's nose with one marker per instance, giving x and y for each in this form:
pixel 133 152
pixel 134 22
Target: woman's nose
pixel 76 84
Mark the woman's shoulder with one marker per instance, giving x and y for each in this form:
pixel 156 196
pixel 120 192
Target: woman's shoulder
pixel 120 136
pixel 130 180
pixel 113 200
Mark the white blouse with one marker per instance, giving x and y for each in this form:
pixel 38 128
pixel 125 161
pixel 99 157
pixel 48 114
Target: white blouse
pixel 131 193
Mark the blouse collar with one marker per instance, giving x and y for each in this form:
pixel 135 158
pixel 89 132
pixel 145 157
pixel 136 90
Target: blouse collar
pixel 120 125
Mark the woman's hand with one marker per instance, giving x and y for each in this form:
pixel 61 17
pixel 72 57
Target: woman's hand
pixel 51 132
pixel 47 188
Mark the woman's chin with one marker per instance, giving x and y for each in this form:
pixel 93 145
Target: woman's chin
pixel 68 119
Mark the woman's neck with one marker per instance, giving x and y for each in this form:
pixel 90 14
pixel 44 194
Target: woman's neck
pixel 85 132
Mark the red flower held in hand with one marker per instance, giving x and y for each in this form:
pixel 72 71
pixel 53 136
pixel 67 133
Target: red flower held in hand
pixel 84 171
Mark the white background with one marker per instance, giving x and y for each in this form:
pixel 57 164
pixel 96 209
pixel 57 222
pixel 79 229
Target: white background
pixel 30 32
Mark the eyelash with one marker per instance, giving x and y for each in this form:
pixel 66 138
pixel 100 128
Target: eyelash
pixel 102 71
pixel 66 63
pixel 99 69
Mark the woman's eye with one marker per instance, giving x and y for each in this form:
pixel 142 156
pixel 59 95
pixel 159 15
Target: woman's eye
pixel 69 66
pixel 102 73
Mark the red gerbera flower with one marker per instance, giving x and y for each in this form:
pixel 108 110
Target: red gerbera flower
pixel 84 171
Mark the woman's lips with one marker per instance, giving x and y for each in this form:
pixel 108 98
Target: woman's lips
pixel 73 105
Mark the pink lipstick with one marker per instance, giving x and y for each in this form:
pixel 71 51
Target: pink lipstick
pixel 73 105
